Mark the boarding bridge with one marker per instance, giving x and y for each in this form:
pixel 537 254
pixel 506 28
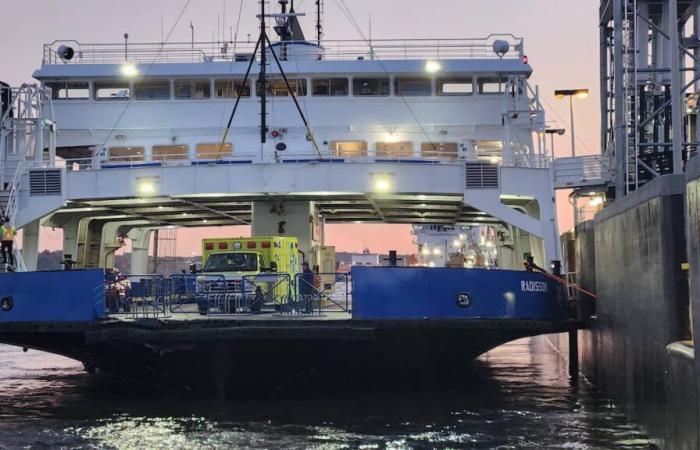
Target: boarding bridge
pixel 586 171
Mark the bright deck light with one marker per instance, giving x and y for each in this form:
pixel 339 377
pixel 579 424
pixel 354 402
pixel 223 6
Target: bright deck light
pixel 436 251
pixel 432 66
pixel 146 187
pixel 129 70
pixel 382 183
pixel 595 201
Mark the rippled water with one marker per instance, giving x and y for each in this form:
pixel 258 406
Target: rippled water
pixel 518 397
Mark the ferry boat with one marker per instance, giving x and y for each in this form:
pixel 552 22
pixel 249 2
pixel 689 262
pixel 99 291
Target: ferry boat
pixel 285 135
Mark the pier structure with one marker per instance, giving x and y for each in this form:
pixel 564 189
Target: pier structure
pixel 639 254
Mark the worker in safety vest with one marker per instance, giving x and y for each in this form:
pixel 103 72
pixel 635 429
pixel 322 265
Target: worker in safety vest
pixel 7 238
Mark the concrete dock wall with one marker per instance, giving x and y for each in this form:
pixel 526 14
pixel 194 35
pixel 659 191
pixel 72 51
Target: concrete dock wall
pixel 642 307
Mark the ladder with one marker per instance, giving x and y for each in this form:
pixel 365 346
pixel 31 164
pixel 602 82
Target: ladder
pixel 631 102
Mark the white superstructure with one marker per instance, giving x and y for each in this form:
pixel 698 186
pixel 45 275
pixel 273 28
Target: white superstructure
pixel 444 132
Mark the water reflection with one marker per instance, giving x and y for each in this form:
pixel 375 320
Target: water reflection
pixel 518 397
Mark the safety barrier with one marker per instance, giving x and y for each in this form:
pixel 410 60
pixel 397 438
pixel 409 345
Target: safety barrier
pixel 137 296
pixel 319 293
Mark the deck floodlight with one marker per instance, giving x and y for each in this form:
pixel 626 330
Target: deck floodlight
pixel 129 70
pixel 382 183
pixel 146 186
pixel 432 66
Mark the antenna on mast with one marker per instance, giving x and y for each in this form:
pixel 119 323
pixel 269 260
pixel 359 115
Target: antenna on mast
pixel 319 24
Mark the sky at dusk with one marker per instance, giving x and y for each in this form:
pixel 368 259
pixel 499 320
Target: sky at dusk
pixel 561 41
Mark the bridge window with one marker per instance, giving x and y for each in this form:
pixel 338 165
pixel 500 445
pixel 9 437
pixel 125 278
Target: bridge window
pixel 491 151
pixel 231 88
pixel 348 148
pixel 214 151
pixel 413 87
pixel 195 89
pixel 439 150
pixel 455 86
pixel 278 88
pixel 153 89
pixel 112 90
pixel 394 149
pixel 323 87
pixel 69 90
pixel 371 86
pixel 170 152
pixel 491 85
pixel 126 154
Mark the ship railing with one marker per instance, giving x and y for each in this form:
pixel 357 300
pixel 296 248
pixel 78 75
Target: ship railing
pixel 178 159
pixel 534 161
pixel 204 52
pixel 580 171
pixel 136 296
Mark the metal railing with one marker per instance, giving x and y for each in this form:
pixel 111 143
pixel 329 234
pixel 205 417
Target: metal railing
pixel 212 296
pixel 178 159
pixel 201 52
pixel 137 296
pixel 320 293
pixel 581 171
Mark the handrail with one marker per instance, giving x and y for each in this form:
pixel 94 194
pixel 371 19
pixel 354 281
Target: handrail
pixel 531 160
pixel 199 52
pixel 11 208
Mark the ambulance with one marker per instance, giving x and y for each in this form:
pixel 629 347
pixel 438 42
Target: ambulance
pixel 240 274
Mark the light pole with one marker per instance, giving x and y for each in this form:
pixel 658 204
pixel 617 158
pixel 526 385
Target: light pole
pixel 551 132
pixel 579 93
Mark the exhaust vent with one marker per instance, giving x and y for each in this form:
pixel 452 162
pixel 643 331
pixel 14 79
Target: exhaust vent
pixel 45 182
pixel 481 175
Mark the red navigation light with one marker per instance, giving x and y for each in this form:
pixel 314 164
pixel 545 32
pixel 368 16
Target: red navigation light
pixel 223 246
pixel 265 244
pixel 275 133
pixel 251 244
pixel 209 246
pixel 525 59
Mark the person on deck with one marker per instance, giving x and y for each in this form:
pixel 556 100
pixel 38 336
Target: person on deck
pixel 306 288
pixel 7 239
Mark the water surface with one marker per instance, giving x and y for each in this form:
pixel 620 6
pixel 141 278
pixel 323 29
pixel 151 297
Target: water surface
pixel 518 397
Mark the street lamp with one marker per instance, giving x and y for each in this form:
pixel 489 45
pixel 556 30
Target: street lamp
pixel 552 132
pixel 571 93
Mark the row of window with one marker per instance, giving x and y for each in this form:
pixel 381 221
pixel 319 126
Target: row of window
pixel 337 148
pixel 164 89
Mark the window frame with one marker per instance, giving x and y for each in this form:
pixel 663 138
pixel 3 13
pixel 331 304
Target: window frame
pixel 501 84
pixel 397 80
pixel 95 88
pixel 355 94
pixel 159 157
pixel 364 148
pixel 147 80
pixel 191 80
pixel 301 82
pixel 247 84
pixel 411 152
pixel 66 82
pixel 330 86
pixel 441 81
pixel 127 158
